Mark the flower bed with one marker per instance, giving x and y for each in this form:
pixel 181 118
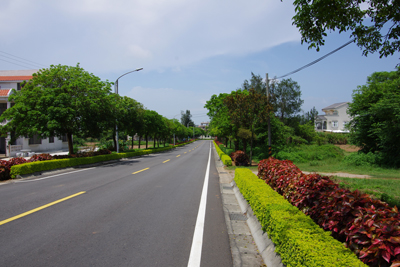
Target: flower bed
pixel 298 240
pixel 369 227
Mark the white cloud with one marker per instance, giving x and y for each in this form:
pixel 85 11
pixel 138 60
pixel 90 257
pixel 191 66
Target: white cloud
pixel 163 100
pixel 116 34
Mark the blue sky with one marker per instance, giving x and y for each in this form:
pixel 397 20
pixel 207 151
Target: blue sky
pixel 189 50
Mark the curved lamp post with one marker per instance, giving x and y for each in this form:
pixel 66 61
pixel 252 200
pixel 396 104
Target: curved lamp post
pixel 116 91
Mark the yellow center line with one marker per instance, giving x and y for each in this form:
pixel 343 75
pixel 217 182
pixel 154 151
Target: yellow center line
pixel 178 156
pixel 140 171
pixel 40 208
pixel 184 152
pixel 166 161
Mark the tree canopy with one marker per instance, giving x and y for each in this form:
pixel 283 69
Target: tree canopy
pixel 186 119
pixel 375 112
pixel 374 24
pixel 58 101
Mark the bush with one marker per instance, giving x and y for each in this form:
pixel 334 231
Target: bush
pixel 362 159
pixel 306 153
pixel 40 157
pixel 224 158
pixel 240 158
pixel 298 240
pixel 368 226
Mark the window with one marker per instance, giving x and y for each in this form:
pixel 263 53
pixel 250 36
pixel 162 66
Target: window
pixel 335 124
pixel 335 112
pixel 3 107
pixel 35 140
pixel 345 124
pixel 51 139
pixel 64 138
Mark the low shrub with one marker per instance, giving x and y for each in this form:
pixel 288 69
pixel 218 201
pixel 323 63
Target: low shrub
pixel 40 157
pixel 226 160
pixel 354 218
pixel 298 240
pixel 240 158
pixel 362 159
pixel 70 161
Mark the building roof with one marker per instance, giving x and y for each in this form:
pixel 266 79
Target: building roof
pixel 17 72
pixel 15 78
pixel 337 105
pixel 4 92
pixel 321 117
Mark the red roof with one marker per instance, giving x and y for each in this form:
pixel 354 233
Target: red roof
pixel 4 92
pixel 15 78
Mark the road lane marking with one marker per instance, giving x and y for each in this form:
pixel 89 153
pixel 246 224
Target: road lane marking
pixel 166 161
pixel 44 178
pixel 140 171
pixel 40 208
pixel 178 156
pixel 184 152
pixel 197 243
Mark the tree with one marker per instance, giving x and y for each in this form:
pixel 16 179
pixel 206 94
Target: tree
pixel 256 83
pixel 59 101
pixel 186 119
pixel 375 112
pixel 309 116
pixel 375 24
pixel 286 98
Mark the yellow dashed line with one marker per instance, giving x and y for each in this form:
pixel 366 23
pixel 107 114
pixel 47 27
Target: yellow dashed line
pixel 166 161
pixel 40 208
pixel 178 156
pixel 140 171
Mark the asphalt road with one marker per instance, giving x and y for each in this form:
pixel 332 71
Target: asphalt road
pixel 136 212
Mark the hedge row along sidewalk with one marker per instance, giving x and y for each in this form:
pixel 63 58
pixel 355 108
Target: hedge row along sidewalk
pixel 38 166
pixel 298 240
pixel 224 157
pixel 367 226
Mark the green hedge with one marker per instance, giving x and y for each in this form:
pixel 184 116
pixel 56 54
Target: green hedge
pixel 298 240
pixel 39 166
pixel 224 157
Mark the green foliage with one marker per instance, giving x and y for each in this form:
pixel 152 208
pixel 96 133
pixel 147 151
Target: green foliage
pixel 286 98
pixel 376 116
pixel 59 101
pixel 332 138
pixel 224 158
pixel 306 132
pixel 306 153
pixel 298 240
pixel 373 24
pixel 38 166
pixel 362 159
pixel 186 119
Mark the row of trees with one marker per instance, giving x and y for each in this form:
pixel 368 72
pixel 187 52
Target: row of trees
pixel 241 116
pixel 64 100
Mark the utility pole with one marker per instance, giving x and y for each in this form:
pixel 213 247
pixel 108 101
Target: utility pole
pixel 269 119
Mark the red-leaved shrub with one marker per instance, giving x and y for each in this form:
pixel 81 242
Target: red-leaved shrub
pixel 240 158
pixel 368 226
pixel 40 157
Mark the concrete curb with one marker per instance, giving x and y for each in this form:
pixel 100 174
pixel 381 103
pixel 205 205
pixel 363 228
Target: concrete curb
pixel 266 248
pixel 264 243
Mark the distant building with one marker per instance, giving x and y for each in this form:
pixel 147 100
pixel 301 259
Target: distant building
pixel 13 79
pixel 335 118
pixel 204 125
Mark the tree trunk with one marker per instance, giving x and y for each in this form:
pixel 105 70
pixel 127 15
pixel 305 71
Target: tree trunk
pixel 251 146
pixel 226 142
pixel 132 142
pixel 70 144
pixel 115 140
pixel 147 141
pixel 154 142
pixel 140 140
pixel 244 145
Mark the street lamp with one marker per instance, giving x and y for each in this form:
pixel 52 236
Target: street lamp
pixel 116 91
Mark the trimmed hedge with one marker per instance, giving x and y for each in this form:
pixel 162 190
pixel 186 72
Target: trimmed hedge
pixel 39 166
pixel 298 240
pixel 224 157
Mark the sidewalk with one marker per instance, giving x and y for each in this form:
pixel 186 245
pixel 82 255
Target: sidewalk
pixel 249 245
pixel 53 152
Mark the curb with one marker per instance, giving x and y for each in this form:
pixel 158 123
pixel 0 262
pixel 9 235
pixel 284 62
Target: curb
pixel 266 248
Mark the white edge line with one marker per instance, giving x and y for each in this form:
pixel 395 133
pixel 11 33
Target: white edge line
pixel 197 243
pixel 33 180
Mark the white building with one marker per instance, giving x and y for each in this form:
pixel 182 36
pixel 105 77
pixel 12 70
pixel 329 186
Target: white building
pixel 335 118
pixel 12 79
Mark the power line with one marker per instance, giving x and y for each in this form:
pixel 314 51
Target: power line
pixel 16 64
pixel 36 64
pixel 316 61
